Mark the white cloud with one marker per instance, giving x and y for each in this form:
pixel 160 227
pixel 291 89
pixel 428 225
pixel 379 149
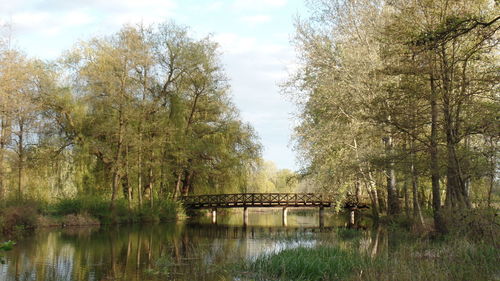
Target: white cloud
pixel 77 18
pixel 258 4
pixel 215 6
pixel 256 19
pixel 30 19
pixel 232 43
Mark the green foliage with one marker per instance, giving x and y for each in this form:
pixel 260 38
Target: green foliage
pixel 163 210
pixel 84 210
pixel 418 76
pixel 4 247
pixel 321 263
pixel 137 116
pixel 266 177
pixel 66 206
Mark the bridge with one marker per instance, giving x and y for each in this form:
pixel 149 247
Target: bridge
pixel 261 200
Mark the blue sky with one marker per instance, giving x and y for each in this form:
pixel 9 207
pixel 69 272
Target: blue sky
pixel 253 35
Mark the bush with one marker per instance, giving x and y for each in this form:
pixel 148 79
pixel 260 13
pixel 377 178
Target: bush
pixel 79 219
pixel 4 247
pixel 86 206
pixel 67 206
pixel 479 225
pixel 169 210
pixel 19 217
pixel 163 210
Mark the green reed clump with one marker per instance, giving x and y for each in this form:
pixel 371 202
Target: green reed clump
pixel 321 263
pixel 456 259
pixel 449 258
pixel 348 233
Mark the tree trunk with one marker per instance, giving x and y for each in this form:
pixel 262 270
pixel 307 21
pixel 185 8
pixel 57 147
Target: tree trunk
pixel 493 167
pixel 129 189
pixel 417 212
pixel 139 168
pixel 434 164
pixel 177 185
pixel 20 148
pixel 150 184
pixel 372 192
pixel 2 190
pixel 186 184
pixel 4 140
pixel 393 206
pixel 406 196
pixel 117 163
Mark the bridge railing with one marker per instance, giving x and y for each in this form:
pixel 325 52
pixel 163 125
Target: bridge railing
pixel 258 200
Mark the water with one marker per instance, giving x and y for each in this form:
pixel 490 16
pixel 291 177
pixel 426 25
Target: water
pixel 190 250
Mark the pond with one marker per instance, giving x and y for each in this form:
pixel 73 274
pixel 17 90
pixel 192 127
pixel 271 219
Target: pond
pixel 194 249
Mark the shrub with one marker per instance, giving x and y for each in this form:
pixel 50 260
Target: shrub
pixel 169 210
pixel 66 206
pixel 4 247
pixel 479 225
pixel 19 217
pixel 79 219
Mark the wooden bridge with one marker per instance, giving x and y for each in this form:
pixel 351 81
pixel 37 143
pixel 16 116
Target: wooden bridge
pixel 260 200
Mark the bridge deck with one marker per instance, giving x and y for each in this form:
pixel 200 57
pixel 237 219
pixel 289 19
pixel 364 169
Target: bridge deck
pixel 258 200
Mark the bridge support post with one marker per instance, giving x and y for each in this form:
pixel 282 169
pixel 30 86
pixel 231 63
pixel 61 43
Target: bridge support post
pixel 245 216
pixel 284 216
pixel 321 216
pixel 214 216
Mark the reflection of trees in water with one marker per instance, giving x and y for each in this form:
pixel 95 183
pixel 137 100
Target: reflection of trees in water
pixel 193 252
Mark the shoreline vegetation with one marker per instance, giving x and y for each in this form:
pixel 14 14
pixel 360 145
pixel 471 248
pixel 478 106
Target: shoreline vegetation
pixel 18 217
pixel 451 258
pixel 469 251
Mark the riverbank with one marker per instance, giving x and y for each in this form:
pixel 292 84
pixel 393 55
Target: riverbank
pixel 20 216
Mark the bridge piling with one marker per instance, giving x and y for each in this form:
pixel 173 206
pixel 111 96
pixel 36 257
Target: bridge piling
pixel 321 216
pixel 245 216
pixel 214 215
pixel 284 217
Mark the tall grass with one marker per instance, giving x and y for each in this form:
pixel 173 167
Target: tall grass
pixel 453 258
pixel 321 263
pixel 458 259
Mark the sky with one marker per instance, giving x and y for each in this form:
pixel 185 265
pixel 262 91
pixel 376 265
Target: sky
pixel 254 37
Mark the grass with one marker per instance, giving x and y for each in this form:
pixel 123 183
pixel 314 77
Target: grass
pixel 321 263
pixel 458 259
pixel 450 258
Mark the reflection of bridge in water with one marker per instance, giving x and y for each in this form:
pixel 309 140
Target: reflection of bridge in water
pixel 262 200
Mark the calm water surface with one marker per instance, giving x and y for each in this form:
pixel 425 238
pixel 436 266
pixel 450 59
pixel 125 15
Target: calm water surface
pixel 189 250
